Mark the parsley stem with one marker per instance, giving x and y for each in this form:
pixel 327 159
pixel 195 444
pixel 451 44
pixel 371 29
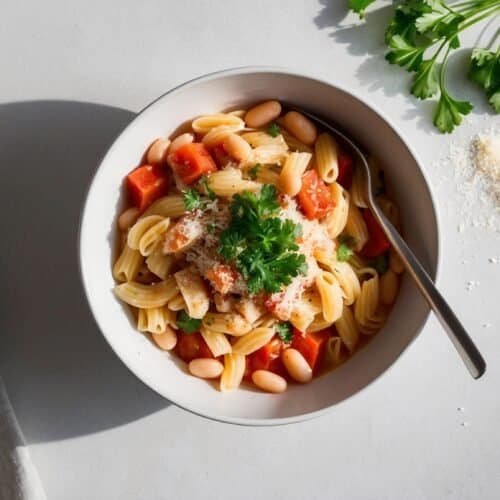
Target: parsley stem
pixel 485 12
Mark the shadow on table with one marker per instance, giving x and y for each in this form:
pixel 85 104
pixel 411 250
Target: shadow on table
pixel 62 377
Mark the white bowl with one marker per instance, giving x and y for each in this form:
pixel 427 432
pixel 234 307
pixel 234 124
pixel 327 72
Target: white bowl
pixel 232 89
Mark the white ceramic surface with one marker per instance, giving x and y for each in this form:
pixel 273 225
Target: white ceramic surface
pixel 234 89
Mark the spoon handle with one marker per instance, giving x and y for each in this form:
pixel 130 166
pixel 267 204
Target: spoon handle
pixel 469 353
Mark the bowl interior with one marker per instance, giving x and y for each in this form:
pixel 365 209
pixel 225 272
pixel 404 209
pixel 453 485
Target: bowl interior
pixel 235 89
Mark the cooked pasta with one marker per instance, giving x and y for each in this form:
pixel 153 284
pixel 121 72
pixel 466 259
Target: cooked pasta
pixel 146 296
pixel 356 227
pixel 205 123
pixel 234 369
pixel 326 151
pixel 247 249
pixel 348 329
pixel 193 291
pixel 337 219
pixel 128 264
pixel 357 190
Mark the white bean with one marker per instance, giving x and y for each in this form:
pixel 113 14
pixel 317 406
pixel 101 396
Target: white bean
pixel 236 147
pixel 301 127
pixel 269 381
pixel 206 368
pixel 128 218
pixel 158 151
pixel 263 113
pixel 166 340
pixel 180 141
pixel 296 365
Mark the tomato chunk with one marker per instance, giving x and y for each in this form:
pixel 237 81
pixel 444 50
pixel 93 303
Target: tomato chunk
pixel 191 161
pixel 377 243
pixel 146 184
pixel 190 346
pixel 346 170
pixel 314 197
pixel 311 346
pixel 268 358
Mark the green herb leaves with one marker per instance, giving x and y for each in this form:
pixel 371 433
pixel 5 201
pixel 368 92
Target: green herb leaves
pixel 344 250
pixel 431 28
pixel 485 71
pixel 262 246
pixel 188 324
pixel 359 6
pixel 284 331
pixel 273 130
pixel 192 199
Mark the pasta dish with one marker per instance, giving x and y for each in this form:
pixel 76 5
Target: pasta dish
pixel 247 249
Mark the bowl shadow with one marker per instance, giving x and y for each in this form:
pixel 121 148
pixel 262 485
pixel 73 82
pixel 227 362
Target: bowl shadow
pixel 62 377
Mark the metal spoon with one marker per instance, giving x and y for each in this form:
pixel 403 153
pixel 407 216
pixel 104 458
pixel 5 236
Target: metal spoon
pixel 459 337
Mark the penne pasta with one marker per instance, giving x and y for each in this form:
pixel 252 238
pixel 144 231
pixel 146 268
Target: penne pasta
pixel 336 220
pixel 389 284
pixel 153 237
pixel 348 329
pixel 253 340
pixel 177 303
pixel 290 180
pixel 367 313
pixel 357 190
pixel 204 124
pixel 356 227
pixel 331 296
pixel 168 206
pixel 326 153
pixel 128 264
pixel 146 296
pixel 193 292
pixel 234 369
pixel 153 320
pixel 229 181
pixel 230 323
pixel 216 342
pixel 216 135
pixel 160 264
pixel 270 154
pixel 258 138
pixel 138 230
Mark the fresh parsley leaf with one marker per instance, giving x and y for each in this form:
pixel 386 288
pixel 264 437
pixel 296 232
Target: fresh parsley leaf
pixel 206 188
pixel 284 331
pixel 449 112
pixel 425 82
pixel 359 6
pixel 381 263
pixel 344 250
pixel 485 71
pixel 252 172
pixel 262 246
pixel 273 130
pixel 192 199
pixel 188 324
pixel 404 54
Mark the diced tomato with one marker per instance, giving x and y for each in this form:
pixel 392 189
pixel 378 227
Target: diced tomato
pixel 190 346
pixel 311 346
pixel 191 161
pixel 346 170
pixel 146 184
pixel 378 242
pixel 268 358
pixel 314 197
pixel 222 277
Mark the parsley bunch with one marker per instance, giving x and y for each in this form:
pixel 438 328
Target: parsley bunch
pixel 421 36
pixel 262 246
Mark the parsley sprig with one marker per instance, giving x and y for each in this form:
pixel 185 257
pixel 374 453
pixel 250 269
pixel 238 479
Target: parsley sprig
pixel 188 324
pixel 261 245
pixel 284 331
pixel 345 248
pixel 431 28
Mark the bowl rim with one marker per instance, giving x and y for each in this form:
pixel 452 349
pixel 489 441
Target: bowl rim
pixel 239 70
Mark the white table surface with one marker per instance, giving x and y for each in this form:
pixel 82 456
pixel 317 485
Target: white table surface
pixel 72 75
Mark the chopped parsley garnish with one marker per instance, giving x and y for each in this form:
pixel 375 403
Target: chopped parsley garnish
pixel 273 130
pixel 252 172
pixel 206 188
pixel 192 199
pixel 344 250
pixel 188 324
pixel 380 263
pixel 284 331
pixel 261 245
